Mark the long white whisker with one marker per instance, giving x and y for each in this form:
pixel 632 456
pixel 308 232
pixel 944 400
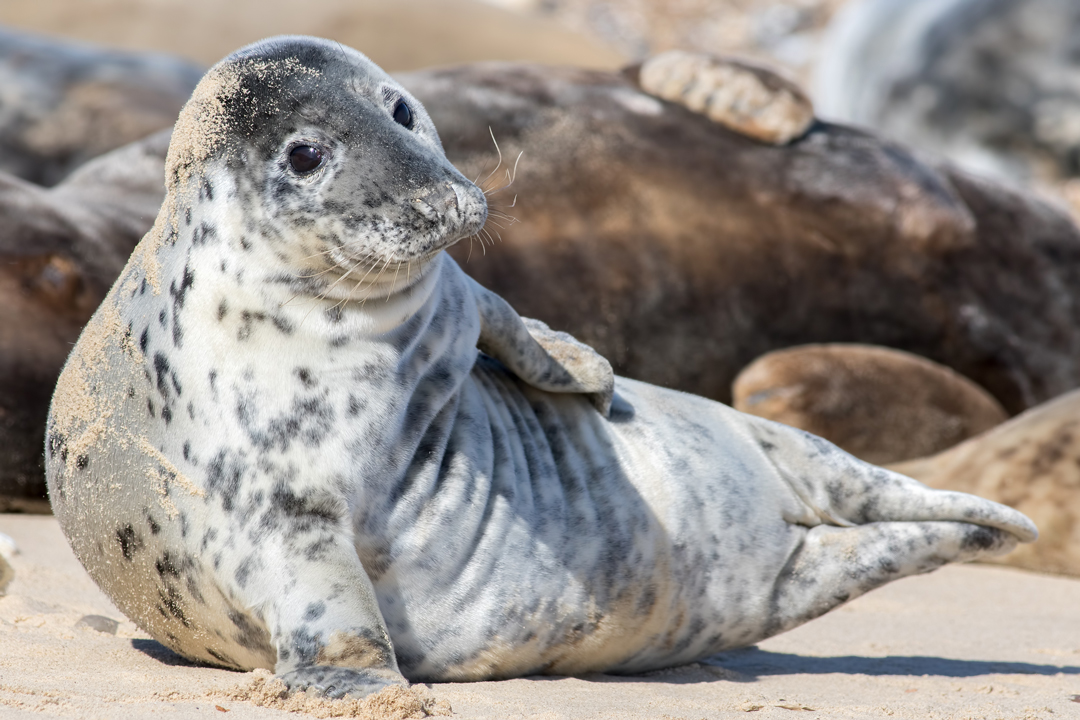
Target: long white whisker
pixel 499 163
pixel 394 283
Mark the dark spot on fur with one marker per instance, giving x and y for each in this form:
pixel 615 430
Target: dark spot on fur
pixel 309 506
pixel 129 540
pixel 249 634
pixel 82 461
pixel 248 320
pixel 282 325
pixel 221 657
pixel 179 294
pixel 56 444
pixel 222 309
pixel 144 339
pixel 161 368
pixel 315 611
pixel 982 538
pixel 306 645
pixel 309 420
pixel 202 234
pixel 223 478
pixel 243 572
pixel 165 565
pixel 172 600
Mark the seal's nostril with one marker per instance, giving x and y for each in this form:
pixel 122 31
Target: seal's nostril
pixel 453 200
pixel 435 202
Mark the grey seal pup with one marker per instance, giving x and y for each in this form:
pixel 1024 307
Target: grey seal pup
pixel 297 436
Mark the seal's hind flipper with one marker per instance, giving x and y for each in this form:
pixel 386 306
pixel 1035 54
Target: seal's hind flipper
pixel 845 491
pixel 544 358
pixel 746 98
pixel 832 565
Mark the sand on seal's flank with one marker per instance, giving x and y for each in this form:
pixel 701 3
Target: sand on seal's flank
pixel 972 641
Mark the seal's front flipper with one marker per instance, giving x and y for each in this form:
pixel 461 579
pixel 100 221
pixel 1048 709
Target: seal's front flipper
pixel 337 682
pixel 831 565
pixel 323 617
pixel 544 358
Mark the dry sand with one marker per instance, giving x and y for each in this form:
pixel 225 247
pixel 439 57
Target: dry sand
pixel 964 642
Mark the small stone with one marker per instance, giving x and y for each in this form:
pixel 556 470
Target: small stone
pixel 98 622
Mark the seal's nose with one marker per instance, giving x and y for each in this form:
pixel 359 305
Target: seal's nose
pixel 436 202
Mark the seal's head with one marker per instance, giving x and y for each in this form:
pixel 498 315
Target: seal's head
pixel 321 155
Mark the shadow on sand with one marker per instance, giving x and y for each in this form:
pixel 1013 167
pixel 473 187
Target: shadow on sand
pixel 754 663
pixel 750 664
pixel 162 654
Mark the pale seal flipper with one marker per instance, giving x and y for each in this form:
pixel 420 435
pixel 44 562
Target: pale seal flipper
pixel 747 98
pixel 868 526
pixel 544 358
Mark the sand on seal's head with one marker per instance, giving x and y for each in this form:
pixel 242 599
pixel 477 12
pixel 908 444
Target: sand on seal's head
pixel 200 132
pixel 203 123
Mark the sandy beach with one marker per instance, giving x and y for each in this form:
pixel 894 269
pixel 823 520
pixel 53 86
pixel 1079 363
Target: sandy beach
pixel 971 641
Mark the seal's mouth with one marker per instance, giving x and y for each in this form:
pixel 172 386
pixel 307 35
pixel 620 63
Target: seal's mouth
pixel 388 250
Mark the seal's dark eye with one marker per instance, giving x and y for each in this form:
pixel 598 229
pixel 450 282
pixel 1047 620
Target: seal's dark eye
pixel 305 159
pixel 402 114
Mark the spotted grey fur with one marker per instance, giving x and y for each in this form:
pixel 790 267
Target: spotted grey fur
pixel 278 443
